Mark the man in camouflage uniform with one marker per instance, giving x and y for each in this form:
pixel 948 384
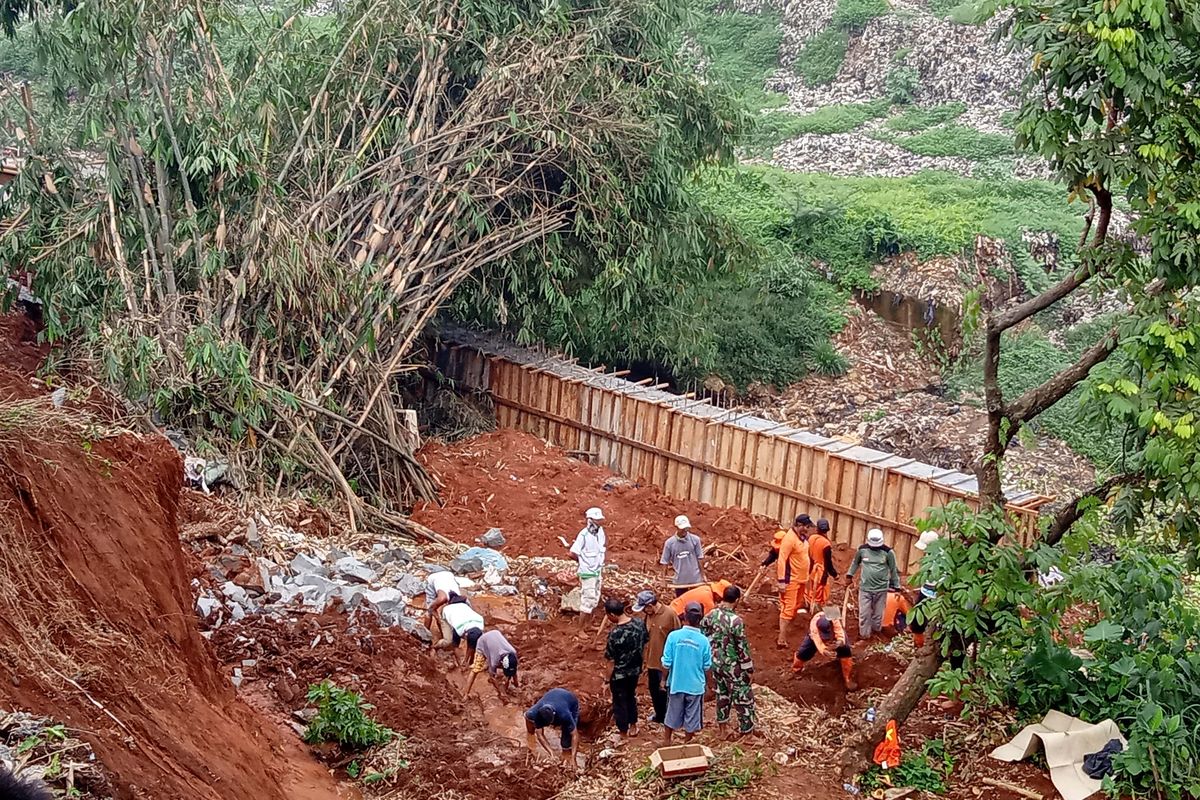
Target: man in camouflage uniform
pixel 732 663
pixel 626 644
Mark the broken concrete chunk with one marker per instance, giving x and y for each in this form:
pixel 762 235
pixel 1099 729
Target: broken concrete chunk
pixel 493 538
pixel 336 554
pixel 352 596
pixel 304 564
pixel 386 602
pixel 207 606
pixel 505 591
pixel 395 556
pixel 234 592
pixel 415 627
pixel 463 566
pixel 351 569
pixel 319 581
pixel 410 585
pixel 253 539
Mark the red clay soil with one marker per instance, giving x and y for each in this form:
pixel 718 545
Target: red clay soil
pixel 473 746
pixel 21 356
pixel 97 626
pixel 534 493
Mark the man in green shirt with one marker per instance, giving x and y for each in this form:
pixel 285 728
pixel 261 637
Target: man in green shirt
pixel 879 575
pixel 732 663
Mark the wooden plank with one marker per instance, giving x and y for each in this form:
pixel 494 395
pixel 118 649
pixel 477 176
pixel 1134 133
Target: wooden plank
pixel 760 502
pixel 778 470
pixel 708 481
pixel 846 494
pixel 721 461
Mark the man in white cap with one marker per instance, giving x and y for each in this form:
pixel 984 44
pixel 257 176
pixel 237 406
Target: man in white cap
pixel 588 550
pixel 683 552
pixel 879 575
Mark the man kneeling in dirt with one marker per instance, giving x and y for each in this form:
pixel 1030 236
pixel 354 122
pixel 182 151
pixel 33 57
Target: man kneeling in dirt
pixel 827 637
pixel 459 623
pixel 558 708
pixel 439 586
pixel 495 654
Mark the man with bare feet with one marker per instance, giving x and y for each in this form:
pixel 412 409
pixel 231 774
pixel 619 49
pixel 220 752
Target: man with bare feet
pixel 626 644
pixel 558 708
pixel 732 664
pixel 687 658
pixel 495 654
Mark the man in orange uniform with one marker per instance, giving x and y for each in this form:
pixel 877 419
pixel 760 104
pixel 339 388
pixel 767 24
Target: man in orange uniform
pixel 707 596
pixel 827 637
pixel 792 572
pixel 820 552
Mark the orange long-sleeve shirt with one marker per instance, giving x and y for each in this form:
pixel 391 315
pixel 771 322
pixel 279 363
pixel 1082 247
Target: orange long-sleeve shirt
pixel 826 647
pixel 792 566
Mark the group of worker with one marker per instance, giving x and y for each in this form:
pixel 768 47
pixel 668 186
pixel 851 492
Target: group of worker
pixel 680 643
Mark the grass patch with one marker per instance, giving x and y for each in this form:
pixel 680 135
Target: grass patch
pixel 818 63
pixel 918 119
pixel 850 222
pixel 743 50
pixel 956 141
pixel 836 118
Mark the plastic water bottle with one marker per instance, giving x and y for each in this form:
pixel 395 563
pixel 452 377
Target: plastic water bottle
pixel 850 788
pixel 871 714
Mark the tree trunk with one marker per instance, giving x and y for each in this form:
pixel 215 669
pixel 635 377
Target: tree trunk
pixel 899 703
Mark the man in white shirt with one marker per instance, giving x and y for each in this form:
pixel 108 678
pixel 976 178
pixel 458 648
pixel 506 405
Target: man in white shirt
pixel 589 549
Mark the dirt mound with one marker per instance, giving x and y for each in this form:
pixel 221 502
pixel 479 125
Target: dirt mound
pixel 97 627
pixel 472 747
pixel 534 493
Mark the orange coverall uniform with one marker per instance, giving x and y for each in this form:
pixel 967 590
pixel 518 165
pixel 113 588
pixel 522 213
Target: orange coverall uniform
pixel 707 596
pixel 792 569
pixel 821 553
pixel 896 613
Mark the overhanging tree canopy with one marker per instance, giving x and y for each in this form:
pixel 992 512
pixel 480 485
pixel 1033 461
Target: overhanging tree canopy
pixel 248 217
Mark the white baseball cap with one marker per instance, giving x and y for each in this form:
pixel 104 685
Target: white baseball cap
pixel 682 522
pixel 874 536
pixel 927 538
pixel 594 513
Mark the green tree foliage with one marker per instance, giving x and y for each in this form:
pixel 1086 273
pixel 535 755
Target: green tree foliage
pixel 248 220
pixel 1112 106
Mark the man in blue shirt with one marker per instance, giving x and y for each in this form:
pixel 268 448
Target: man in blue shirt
pixel 687 657
pixel 558 708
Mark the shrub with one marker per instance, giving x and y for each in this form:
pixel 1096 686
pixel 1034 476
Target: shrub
pixel 956 11
pixel 342 718
pixel 818 63
pixel 902 84
pixel 959 141
pixel 853 15
pixel 918 119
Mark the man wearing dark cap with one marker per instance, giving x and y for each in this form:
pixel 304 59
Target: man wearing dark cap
pixel 827 637
pixel 495 654
pixel 661 620
pixel 558 708
pixel 625 647
pixel 687 657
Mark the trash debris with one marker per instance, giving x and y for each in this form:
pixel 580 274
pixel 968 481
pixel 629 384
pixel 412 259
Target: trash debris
pixel 493 538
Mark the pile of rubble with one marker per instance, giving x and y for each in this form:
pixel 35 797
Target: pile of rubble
pixel 39 749
pixel 283 573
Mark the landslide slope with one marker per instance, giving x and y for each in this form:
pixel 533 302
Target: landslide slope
pixel 96 620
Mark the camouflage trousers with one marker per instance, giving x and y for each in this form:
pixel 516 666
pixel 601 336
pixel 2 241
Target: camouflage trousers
pixel 735 694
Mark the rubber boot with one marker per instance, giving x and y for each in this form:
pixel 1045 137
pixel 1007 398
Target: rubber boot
pixel 918 640
pixel 848 674
pixel 797 665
